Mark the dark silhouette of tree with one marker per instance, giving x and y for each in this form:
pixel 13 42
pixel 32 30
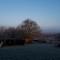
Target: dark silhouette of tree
pixel 30 29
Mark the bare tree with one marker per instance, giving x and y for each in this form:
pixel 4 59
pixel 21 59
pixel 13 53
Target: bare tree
pixel 30 29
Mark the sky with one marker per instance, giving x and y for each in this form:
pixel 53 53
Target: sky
pixel 45 12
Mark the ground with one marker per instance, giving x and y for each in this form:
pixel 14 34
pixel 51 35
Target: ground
pixel 30 52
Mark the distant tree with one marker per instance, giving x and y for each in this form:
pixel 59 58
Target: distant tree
pixel 10 32
pixel 19 33
pixel 57 36
pixel 30 29
pixel 2 30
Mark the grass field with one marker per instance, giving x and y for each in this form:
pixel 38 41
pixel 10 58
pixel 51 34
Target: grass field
pixel 30 52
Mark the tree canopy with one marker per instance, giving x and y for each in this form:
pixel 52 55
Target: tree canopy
pixel 30 28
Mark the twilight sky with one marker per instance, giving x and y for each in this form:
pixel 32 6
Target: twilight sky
pixel 45 12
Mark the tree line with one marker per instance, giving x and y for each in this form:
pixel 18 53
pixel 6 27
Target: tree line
pixel 27 29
